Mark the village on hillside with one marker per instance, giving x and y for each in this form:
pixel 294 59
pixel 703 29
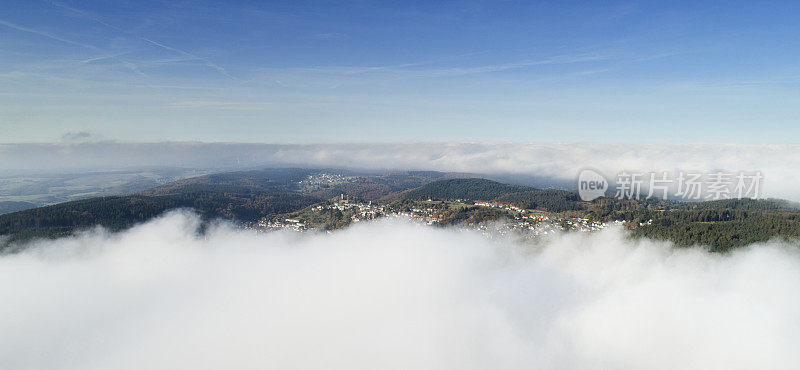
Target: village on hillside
pixel 503 217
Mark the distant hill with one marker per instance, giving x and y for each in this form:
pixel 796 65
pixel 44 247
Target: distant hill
pixel 746 205
pixel 471 188
pixel 379 186
pixel 247 196
pixel 267 180
pixel 120 212
pixel 362 185
pixel 40 189
pixel 10 206
pixel 488 190
pixel 240 196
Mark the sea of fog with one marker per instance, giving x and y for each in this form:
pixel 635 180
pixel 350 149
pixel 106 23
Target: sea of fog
pixel 393 295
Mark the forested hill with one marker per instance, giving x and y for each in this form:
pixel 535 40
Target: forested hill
pixel 249 196
pixel 267 180
pixel 744 205
pixel 472 188
pixel 240 196
pixel 719 224
pixel 320 183
pixel 119 212
pixel 11 206
pixel 488 190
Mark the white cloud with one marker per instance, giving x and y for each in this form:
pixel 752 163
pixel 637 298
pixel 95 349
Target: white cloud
pixel 392 295
pixel 80 137
pixel 194 104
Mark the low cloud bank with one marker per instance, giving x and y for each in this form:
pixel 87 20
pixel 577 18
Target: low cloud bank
pixel 392 294
pixel 778 163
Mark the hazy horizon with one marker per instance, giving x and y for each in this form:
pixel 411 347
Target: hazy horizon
pixel 558 161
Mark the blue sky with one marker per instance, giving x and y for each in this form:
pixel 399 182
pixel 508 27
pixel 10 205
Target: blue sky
pixel 302 71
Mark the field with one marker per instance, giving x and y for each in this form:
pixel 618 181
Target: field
pixel 20 191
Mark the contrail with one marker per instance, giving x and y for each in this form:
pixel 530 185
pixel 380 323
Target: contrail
pixel 48 35
pixel 205 61
pixel 127 64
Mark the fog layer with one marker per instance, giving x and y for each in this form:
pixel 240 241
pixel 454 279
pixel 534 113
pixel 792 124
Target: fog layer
pixel 394 295
pixel 778 163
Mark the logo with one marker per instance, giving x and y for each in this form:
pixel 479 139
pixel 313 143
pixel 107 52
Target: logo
pixel 591 185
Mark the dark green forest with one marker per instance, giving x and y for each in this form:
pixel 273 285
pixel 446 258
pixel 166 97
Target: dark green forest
pixel 248 196
pixel 242 196
pixel 488 190
pixel 473 188
pixel 120 212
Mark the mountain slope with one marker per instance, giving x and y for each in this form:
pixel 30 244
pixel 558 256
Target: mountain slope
pixel 12 206
pixel 488 190
pixel 248 196
pixel 244 196
pixel 471 188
